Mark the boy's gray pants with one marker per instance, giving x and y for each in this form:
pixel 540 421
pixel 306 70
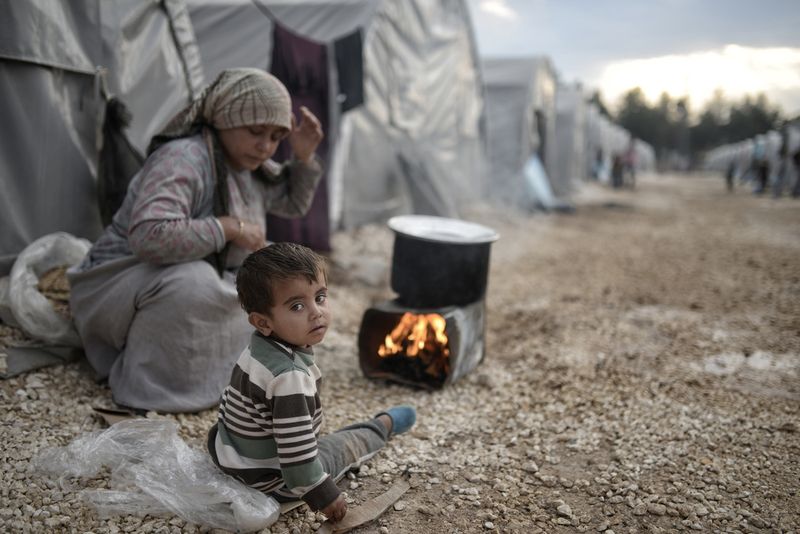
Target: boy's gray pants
pixel 341 451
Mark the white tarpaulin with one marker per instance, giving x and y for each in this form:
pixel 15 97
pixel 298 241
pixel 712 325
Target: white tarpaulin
pixel 52 106
pixel 237 33
pixel 570 166
pixel 415 146
pixel 521 123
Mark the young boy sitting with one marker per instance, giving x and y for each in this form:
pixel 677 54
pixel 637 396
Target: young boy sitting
pixel 268 431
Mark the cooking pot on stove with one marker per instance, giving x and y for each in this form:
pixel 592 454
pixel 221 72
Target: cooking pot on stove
pixel 439 261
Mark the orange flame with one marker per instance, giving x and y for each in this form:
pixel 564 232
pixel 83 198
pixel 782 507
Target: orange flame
pixel 416 334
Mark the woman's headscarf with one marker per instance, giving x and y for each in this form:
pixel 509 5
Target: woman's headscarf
pixel 238 97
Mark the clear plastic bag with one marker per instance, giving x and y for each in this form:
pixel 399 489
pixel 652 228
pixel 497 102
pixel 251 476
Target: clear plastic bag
pixel 31 309
pixel 5 304
pixel 153 471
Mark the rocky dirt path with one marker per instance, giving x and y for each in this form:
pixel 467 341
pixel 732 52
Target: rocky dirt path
pixel 642 375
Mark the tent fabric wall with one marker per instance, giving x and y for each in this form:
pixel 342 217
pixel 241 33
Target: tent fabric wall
pixel 47 157
pixel 152 60
pixel 546 84
pixel 416 144
pixel 741 153
pixel 238 33
pixel 570 165
pixel 43 32
pixel 608 138
pixel 230 34
pixel 49 54
pixel 604 137
pixel 511 132
pixel 645 156
pixel 521 123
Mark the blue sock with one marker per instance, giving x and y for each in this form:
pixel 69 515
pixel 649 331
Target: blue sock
pixel 403 418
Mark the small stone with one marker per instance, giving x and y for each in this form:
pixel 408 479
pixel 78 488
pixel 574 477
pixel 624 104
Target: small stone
pixel 488 525
pixel 531 467
pixel 602 527
pixel 400 506
pixel 656 509
pixel 564 510
pixel 640 509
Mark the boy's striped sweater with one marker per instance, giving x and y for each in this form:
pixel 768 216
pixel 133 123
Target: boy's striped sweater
pixel 270 418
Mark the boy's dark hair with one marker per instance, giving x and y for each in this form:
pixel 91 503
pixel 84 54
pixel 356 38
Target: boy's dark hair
pixel 263 268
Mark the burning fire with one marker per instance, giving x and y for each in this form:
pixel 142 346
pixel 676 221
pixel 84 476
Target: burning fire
pixel 420 336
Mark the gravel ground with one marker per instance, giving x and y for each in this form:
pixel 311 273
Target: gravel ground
pixel 641 376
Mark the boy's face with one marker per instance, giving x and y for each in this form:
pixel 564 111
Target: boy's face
pixel 300 316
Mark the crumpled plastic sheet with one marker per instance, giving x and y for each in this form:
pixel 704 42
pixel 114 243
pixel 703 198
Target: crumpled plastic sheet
pixel 154 472
pixel 29 308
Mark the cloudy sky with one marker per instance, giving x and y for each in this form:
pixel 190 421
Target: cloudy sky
pixel 684 47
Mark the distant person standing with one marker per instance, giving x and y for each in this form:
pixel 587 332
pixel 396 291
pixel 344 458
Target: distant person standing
pixel 730 175
pixel 784 164
pixel 796 161
pixel 760 166
pixel 617 171
pixel 629 162
pixel 597 166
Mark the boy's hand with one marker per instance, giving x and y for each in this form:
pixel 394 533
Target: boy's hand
pixel 305 136
pixel 336 510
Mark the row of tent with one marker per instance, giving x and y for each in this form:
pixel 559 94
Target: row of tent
pixel 415 120
pixel 740 157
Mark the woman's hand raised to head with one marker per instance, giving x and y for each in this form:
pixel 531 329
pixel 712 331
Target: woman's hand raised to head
pixel 306 135
pixel 243 234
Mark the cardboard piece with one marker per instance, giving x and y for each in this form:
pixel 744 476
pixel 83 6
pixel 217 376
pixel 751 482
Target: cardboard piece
pixel 111 416
pixel 289 506
pixel 369 511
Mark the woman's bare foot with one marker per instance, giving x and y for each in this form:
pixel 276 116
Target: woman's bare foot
pixel 387 422
pixel 398 419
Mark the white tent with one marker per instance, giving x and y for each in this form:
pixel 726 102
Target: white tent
pixel 740 154
pixel 416 146
pixel 54 59
pixel 604 139
pixel 570 167
pixel 521 126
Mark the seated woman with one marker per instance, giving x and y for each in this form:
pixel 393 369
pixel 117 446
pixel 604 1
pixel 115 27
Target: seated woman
pixel 154 300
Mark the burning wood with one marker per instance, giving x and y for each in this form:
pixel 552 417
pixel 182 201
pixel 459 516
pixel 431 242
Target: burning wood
pixel 420 341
